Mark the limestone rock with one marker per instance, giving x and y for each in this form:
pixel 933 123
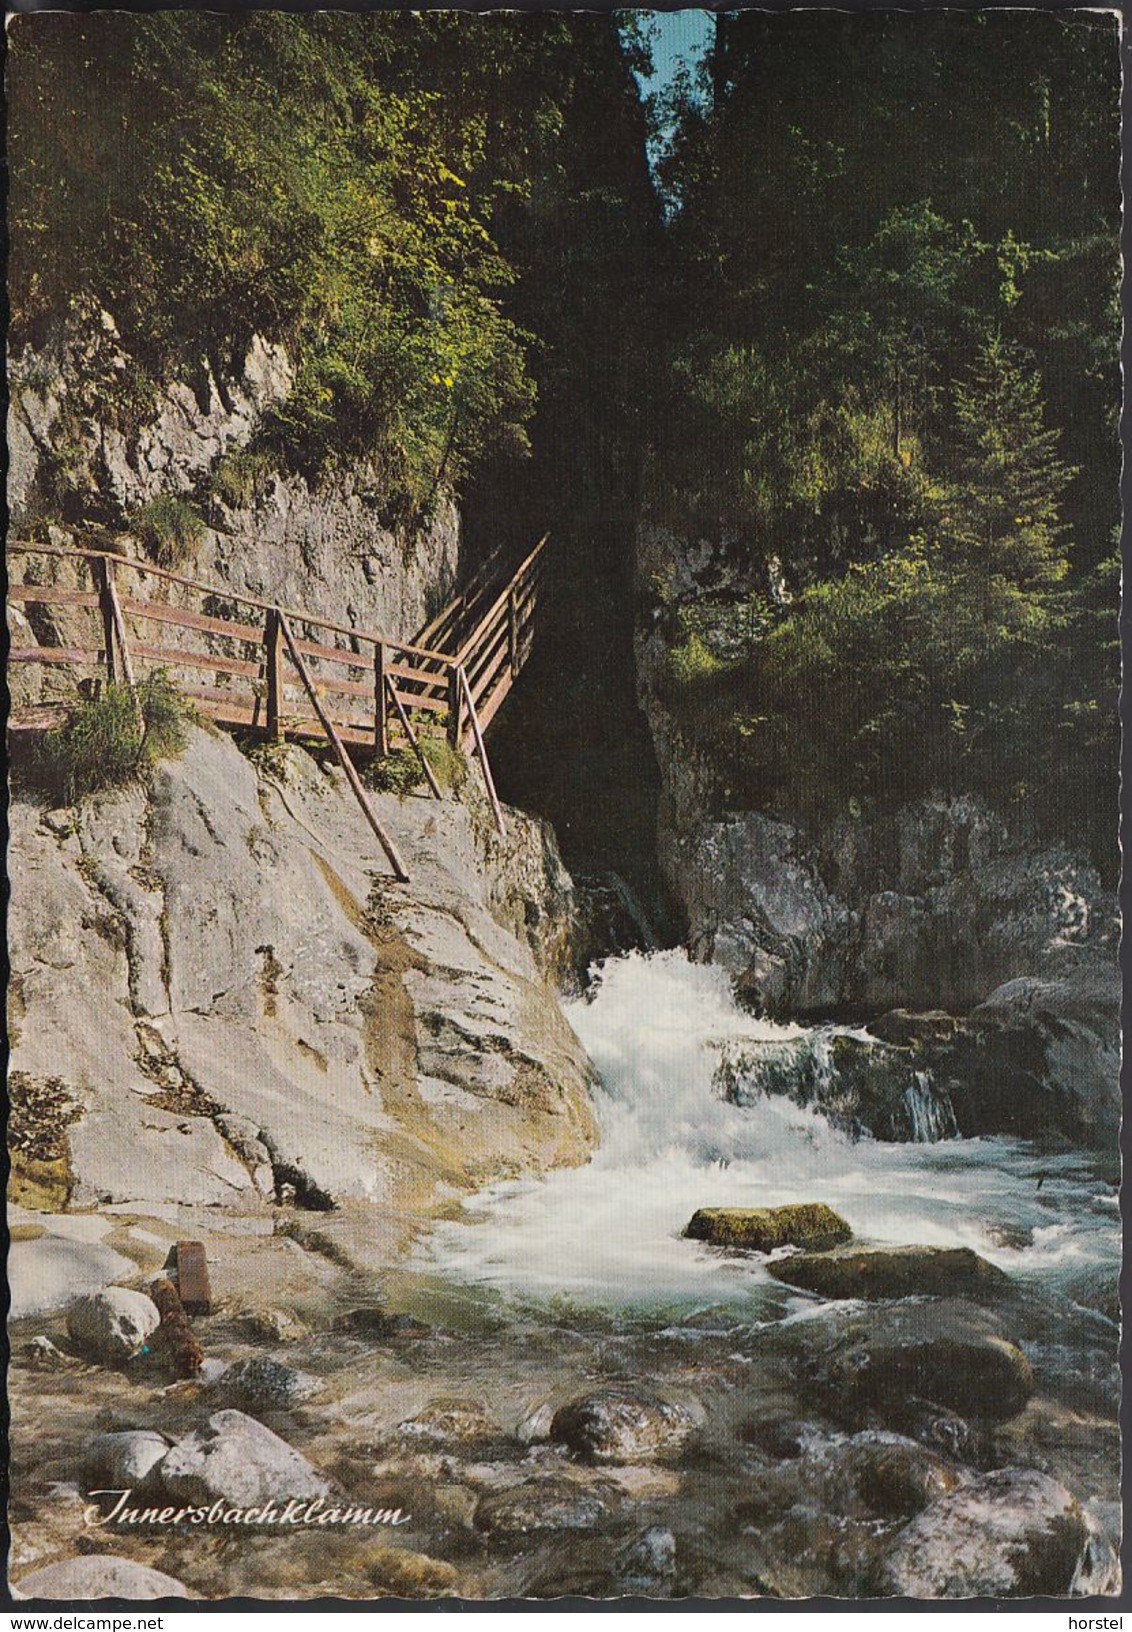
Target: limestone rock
pixel 763 1229
pixel 278 998
pixel 263 1384
pixel 451 1422
pixel 1013 1533
pixel 896 1477
pixel 236 1459
pixel 120 1461
pixel 539 1505
pixel 112 1326
pixel 99 1575
pixel 892 1272
pixel 621 1425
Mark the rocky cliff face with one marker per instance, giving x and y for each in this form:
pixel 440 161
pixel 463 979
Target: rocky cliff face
pixel 228 1001
pixel 931 906
pixel 90 446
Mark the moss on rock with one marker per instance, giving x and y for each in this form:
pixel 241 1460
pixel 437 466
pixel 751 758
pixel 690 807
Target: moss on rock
pixel 762 1229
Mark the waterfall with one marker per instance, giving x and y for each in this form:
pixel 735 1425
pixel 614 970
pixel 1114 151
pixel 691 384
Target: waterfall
pixel 695 1112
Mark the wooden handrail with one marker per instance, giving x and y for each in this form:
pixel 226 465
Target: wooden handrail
pixel 225 593
pixel 521 570
pixel 471 686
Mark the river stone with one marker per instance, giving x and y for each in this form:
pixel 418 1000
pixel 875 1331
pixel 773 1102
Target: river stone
pixel 236 1459
pixel 1007 1534
pixel 99 1575
pixel 542 1504
pixel 617 1425
pixel 895 1477
pixel 119 1461
pixel 275 1326
pixel 892 1272
pixel 263 1384
pixel 987 1377
pixel 647 1564
pixel 908 1030
pixel 112 1325
pixel 763 1229
pixel 451 1422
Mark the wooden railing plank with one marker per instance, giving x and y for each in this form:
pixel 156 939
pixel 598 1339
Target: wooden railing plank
pixel 56 654
pixel 18 546
pixel 174 657
pixel 184 619
pixel 48 595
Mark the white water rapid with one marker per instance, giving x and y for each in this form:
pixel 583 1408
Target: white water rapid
pixel 609 1235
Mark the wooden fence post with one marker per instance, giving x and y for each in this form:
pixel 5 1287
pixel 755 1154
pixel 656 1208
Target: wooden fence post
pixel 380 734
pixel 488 779
pixel 119 627
pixel 455 704
pixel 342 756
pixel 101 574
pixel 273 668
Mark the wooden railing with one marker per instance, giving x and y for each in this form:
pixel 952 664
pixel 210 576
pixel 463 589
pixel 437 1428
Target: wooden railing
pixel 497 646
pixel 283 672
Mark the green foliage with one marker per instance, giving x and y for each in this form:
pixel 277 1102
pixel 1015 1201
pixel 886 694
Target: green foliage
pixel 240 477
pixel 893 369
pixel 333 187
pixel 169 530
pixel 272 760
pixel 398 772
pixel 100 745
pixel 449 765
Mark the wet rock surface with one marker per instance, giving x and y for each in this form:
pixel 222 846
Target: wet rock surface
pixel 893 1272
pixel 263 1384
pixel 941 1355
pixel 763 1229
pixel 1009 1533
pixel 621 1425
pixel 538 1505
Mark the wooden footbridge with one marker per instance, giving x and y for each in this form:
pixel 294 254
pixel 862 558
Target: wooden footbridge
pixel 279 672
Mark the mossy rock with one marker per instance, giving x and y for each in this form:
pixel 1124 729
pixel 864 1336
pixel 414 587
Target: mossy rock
pixel 893 1272
pixel 762 1229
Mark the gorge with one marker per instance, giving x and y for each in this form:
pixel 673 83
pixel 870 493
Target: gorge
pixel 806 890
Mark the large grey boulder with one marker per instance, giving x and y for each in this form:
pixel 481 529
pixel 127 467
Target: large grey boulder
pixel 99 1575
pixel 1041 1055
pixel 112 1326
pixel 1013 1533
pixel 122 1460
pixel 236 1459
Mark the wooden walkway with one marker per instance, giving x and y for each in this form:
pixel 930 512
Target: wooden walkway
pixel 276 671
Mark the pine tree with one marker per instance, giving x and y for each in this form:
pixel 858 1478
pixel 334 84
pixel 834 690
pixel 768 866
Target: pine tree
pixel 1004 517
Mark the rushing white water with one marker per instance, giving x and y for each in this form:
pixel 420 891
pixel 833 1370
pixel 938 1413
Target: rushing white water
pixel 609 1235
